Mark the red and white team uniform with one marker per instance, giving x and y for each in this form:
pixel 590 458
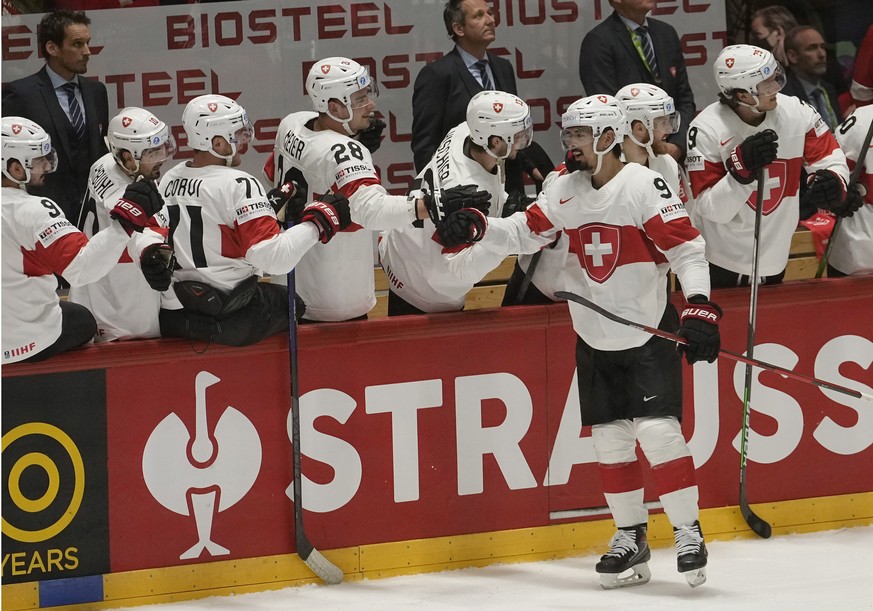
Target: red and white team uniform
pixel 724 209
pixel 122 302
pixel 414 262
pixel 38 241
pixel 623 238
pixel 852 252
pixel 223 229
pixel 336 281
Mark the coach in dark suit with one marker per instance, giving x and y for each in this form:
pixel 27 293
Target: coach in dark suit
pixel 616 53
pixel 443 88
pixel 806 52
pixel 73 110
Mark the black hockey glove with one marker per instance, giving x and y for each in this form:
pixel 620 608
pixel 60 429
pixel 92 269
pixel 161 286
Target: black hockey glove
pixel 852 203
pixel 371 137
pixel 698 324
pixel 330 215
pixel 140 201
pixel 299 307
pixel 533 157
pixel 465 226
pixel 752 154
pixel 824 190
pixel 157 263
pixel 516 202
pixel 288 202
pixel 455 198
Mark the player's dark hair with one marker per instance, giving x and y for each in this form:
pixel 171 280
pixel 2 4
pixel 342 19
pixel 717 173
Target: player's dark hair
pixel 53 27
pixel 453 13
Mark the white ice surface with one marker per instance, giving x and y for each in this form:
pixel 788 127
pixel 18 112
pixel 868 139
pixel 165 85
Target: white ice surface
pixel 829 571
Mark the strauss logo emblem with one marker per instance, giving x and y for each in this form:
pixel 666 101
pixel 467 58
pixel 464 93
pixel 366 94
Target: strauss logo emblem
pixel 204 474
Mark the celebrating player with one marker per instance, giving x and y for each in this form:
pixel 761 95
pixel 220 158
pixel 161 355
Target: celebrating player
pixel 316 151
pixel 225 234
pixel 38 241
pixel 751 128
pixel 626 227
pixel 123 302
pixel 421 278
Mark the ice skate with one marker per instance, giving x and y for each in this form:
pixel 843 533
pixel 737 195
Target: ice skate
pixel 691 553
pixel 625 564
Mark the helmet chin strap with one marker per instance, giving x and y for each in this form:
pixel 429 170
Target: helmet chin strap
pixel 344 122
pixel 646 145
pixel 22 184
pixel 228 159
pixel 600 154
pixel 752 107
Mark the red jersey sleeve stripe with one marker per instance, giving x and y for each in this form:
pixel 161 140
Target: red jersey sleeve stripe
pixel 669 235
pixel 816 148
pixel 60 254
pixel 537 220
pixel 705 178
pixel 236 243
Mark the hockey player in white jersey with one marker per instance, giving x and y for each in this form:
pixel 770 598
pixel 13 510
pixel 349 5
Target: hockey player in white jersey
pixel 123 302
pixel 226 235
pixel 753 127
pixel 852 252
pixel 38 241
pixel 652 117
pixel 626 227
pixel 317 151
pixel 422 279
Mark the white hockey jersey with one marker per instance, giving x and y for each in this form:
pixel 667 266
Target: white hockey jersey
pixel 413 260
pixel 622 238
pixel 122 302
pixel 852 252
pixel 336 280
pixel 223 229
pixel 39 241
pixel 724 209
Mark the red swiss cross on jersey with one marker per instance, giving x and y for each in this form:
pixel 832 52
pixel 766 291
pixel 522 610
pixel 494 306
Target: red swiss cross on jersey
pixel 597 245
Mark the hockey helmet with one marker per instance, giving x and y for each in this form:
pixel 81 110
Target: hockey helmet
pixel 141 133
pixel 652 106
pixel 340 78
pixel 211 115
pixel 496 113
pixel 595 114
pixel 29 144
pixel 748 68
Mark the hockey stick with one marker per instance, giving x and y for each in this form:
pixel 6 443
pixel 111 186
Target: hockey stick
pixel 528 276
pixel 787 373
pixel 755 522
pixel 321 566
pixel 853 180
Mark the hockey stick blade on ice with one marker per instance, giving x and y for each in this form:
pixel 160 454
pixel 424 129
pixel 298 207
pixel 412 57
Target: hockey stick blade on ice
pixel 315 560
pixel 726 353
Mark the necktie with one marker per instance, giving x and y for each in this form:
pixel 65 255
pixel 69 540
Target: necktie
pixel 76 116
pixel 482 66
pixel 648 51
pixel 824 107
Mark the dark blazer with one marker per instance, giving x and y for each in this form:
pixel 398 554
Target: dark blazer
pixel 440 96
pixel 608 61
pixel 794 87
pixel 34 98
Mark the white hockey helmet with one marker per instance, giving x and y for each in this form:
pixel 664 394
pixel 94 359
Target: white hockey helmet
pixel 745 68
pixel 339 78
pixel 591 117
pixel 496 113
pixel 27 143
pixel 211 115
pixel 142 134
pixel 652 106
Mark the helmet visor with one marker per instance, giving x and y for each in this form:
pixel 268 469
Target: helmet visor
pixel 576 137
pixel 774 83
pixel 365 96
pixel 160 153
pixel 523 138
pixel 668 124
pixel 46 164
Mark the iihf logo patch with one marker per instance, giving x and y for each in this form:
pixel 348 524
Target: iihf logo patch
pixel 16 129
pixel 125 121
pixel 498 107
pixel 729 62
pixel 212 106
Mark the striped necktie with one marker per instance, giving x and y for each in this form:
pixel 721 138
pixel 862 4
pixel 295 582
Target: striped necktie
pixel 76 116
pixel 646 43
pixel 823 106
pixel 482 67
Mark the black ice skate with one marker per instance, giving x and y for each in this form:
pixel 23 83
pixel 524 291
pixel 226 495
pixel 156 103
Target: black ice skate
pixel 628 552
pixel 691 553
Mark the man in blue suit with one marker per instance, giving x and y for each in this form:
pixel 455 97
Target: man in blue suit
pixel 73 110
pixel 627 47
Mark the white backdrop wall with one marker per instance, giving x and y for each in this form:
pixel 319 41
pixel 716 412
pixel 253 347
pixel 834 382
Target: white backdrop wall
pixel 259 51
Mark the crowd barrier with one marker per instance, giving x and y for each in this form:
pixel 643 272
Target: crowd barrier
pixel 159 470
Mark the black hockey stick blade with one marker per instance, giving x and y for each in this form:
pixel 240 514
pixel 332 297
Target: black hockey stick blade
pixel 726 353
pixel 758 525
